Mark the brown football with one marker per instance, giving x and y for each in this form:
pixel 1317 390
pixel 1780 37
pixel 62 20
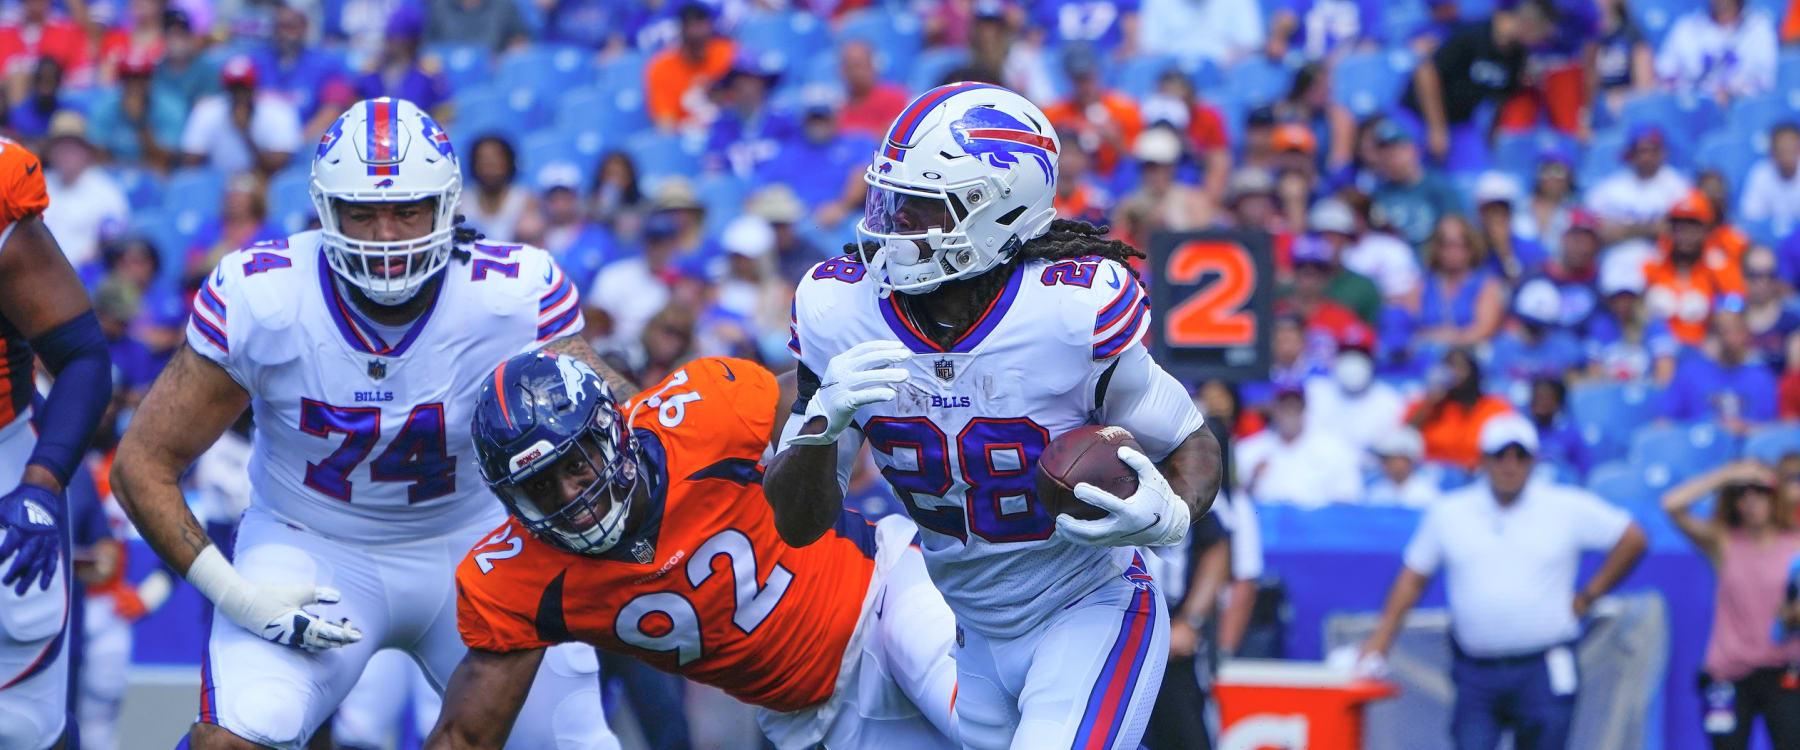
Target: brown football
pixel 1090 454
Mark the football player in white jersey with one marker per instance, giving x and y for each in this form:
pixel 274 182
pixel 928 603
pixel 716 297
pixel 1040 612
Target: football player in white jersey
pixel 360 348
pixel 966 330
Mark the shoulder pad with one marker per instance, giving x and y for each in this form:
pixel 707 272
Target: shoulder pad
pixel 507 274
pixel 266 279
pixel 1099 301
pixel 831 289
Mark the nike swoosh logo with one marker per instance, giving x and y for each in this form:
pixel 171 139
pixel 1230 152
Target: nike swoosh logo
pixel 1115 279
pixel 729 375
pixel 30 168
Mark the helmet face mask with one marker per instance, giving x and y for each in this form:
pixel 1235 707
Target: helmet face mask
pixel 591 521
pixel 967 174
pixel 386 151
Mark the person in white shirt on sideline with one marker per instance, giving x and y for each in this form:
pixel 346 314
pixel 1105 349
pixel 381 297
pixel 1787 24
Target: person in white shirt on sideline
pixel 1288 463
pixel 1722 50
pixel 1633 202
pixel 1509 546
pixel 1403 480
pixel 1772 188
pixel 1350 402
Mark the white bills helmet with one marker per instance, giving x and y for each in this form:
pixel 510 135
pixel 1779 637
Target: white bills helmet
pixel 386 151
pixel 966 175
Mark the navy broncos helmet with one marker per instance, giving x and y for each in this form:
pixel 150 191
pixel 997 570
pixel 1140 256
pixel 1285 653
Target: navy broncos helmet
pixel 542 418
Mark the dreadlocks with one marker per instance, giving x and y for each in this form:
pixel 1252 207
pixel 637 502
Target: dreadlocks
pixel 1067 239
pixel 1071 238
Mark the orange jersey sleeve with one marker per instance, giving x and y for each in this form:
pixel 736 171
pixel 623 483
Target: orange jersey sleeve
pixel 701 585
pixel 22 191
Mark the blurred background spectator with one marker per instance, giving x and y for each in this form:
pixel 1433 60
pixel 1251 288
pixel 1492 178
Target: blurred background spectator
pixel 1722 50
pixel 493 24
pixel 1751 543
pixel 85 203
pixel 243 128
pixel 1289 463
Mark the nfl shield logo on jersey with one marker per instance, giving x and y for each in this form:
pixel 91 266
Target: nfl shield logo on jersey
pixel 377 369
pixel 946 370
pixel 642 551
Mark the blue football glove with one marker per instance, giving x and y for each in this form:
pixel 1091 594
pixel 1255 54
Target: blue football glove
pixel 32 537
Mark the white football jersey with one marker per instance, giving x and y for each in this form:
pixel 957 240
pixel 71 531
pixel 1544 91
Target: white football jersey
pixel 362 433
pixel 960 444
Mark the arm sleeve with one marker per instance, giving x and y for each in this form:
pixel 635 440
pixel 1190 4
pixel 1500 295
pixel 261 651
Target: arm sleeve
pixel 1425 551
pixel 559 306
pixel 1142 397
pixel 75 353
pixel 1597 525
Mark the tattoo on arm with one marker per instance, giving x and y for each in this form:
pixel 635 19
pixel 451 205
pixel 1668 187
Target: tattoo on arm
pixel 574 346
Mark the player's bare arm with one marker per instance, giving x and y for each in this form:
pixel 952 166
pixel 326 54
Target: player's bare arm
pixel 801 481
pixel 189 406
pixel 577 347
pixel 483 699
pixel 39 292
pixel 1193 471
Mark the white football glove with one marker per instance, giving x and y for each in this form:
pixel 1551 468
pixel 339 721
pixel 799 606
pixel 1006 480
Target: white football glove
pixel 861 375
pixel 1154 516
pixel 274 611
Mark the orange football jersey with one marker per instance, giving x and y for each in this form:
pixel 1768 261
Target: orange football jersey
pixel 701 585
pixel 21 195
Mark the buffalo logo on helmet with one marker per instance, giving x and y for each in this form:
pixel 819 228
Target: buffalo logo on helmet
pixel 999 139
pixel 387 183
pixel 330 138
pixel 439 140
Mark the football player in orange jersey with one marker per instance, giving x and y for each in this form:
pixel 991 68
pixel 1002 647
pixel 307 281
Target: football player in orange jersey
pixel 643 530
pixel 44 312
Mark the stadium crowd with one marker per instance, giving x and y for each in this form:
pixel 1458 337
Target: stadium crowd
pixel 1586 212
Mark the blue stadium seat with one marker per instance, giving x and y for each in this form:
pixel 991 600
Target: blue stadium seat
pixel 622 71
pixel 1686 450
pixel 895 37
pixel 1677 114
pixel 723 196
pixel 658 155
pixel 1656 16
pixel 1751 118
pixel 777 35
pixel 490 109
pixel 171 248
pixel 1619 483
pixel 192 189
pixel 290 200
pixel 1370 82
pixel 1257 81
pixel 1730 153
pixel 1769 443
pixel 1137 76
pixel 1400 20
pixel 1787 70
pixel 142 187
pixel 1605 155
pixel 551 145
pixel 1607 413
pixel 464 65
pixel 546 70
pixel 625 114
pixel 582 108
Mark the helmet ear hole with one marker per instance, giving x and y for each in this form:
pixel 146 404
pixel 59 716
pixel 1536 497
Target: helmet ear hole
pixel 1007 219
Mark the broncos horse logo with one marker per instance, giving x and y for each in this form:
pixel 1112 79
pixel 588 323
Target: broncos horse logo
pixel 1000 139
